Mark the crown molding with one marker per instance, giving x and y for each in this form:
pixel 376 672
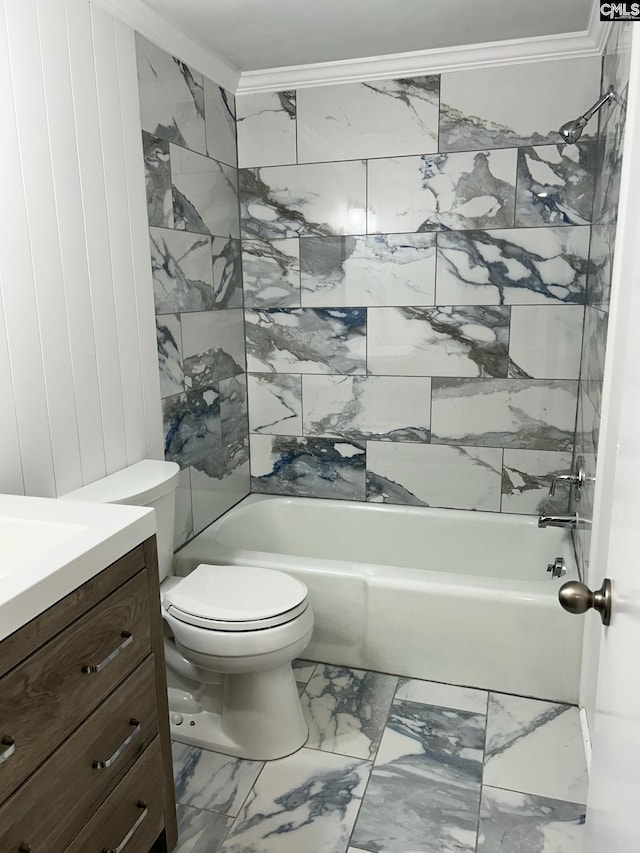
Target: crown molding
pixel 515 51
pixel 140 17
pixel 165 35
pixel 598 30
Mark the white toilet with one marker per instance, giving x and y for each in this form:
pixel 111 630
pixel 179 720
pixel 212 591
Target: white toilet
pixel 231 633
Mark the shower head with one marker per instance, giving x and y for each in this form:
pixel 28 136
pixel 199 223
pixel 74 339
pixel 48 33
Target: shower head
pixel 571 131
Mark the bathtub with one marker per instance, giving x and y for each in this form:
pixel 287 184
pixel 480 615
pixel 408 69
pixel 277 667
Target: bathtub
pixel 446 595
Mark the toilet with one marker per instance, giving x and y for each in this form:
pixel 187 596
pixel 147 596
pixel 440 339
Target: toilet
pixel 231 634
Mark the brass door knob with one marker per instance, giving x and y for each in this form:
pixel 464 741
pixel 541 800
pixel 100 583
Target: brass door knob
pixel 578 598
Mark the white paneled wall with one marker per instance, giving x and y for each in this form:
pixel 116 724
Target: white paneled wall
pixel 78 366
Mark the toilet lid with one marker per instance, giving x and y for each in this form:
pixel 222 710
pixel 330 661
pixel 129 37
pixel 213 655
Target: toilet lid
pixel 236 598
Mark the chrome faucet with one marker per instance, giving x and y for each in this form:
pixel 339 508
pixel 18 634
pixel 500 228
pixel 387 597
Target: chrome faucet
pixel 568 520
pixel 577 479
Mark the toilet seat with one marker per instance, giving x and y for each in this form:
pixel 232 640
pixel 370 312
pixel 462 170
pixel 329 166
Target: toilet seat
pixel 236 598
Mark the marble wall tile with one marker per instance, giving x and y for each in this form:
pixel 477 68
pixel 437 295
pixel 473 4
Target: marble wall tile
pixel 526 478
pixel 555 184
pixel 603 236
pixel 320 199
pixel 233 410
pixel 227 272
pixel 157 176
pixel 360 407
pixel 209 780
pixel 171 97
pixel 200 831
pixel 275 403
pixel 442 695
pixel 293 806
pixel 609 164
pixel 271 273
pixel 443 341
pixel 191 426
pixel 205 194
pixel 424 790
pixel 381 118
pixel 509 105
pixel 217 484
pixel 587 436
pixel 615 63
pixel 267 129
pixel 545 341
pixel 307 467
pixel 212 346
pixel 382 269
pixel 535 747
pixel 511 821
pixel 427 475
pixel 182 272
pixel 184 510
pixel 306 340
pixel 593 354
pixel 512 267
pixel 220 123
pixel 169 336
pixel 529 414
pixel 346 709
pixel 442 191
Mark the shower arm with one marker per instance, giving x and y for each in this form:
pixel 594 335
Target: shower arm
pixel 608 96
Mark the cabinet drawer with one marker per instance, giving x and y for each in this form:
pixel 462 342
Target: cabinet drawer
pixel 132 817
pixel 47 696
pixel 69 783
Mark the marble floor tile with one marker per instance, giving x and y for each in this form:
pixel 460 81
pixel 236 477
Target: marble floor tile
pixel 442 695
pixel 517 823
pixel 212 781
pixel 424 792
pixel 305 802
pixel 303 670
pixel 346 709
pixel 535 747
pixel 200 831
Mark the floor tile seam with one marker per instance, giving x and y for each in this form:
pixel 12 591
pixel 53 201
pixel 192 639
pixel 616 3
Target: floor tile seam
pixel 529 794
pixel 335 752
pixel 373 761
pixel 214 811
pixel 484 752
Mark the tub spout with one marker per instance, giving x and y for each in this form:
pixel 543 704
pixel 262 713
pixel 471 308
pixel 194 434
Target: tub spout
pixel 568 520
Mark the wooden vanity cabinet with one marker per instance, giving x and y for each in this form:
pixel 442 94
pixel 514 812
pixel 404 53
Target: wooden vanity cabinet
pixel 85 751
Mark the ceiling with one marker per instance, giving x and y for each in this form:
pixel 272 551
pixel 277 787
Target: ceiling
pixel 261 34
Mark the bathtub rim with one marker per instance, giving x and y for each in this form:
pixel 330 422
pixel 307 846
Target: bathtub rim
pixel 538 590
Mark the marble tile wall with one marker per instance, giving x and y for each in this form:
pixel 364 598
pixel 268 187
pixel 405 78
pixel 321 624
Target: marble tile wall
pixel 615 76
pixel 415 256
pixel 189 142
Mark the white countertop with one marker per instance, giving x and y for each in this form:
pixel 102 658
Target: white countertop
pixel 50 547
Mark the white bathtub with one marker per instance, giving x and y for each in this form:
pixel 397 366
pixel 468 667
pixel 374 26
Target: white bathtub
pixel 446 595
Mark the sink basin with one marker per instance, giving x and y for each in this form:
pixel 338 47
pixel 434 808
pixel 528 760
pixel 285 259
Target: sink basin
pixel 23 540
pixel 49 547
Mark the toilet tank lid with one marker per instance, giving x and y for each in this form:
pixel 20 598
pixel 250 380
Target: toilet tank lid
pixel 137 485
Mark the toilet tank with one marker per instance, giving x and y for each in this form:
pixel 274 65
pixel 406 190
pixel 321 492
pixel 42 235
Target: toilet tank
pixel 149 483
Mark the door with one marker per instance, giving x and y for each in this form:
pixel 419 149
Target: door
pixel 614 796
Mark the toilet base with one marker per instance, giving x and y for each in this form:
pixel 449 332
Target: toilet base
pixel 260 715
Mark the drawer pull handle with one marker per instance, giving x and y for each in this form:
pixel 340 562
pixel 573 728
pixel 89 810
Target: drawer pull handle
pixel 9 745
pixel 141 805
pixel 98 667
pixel 103 765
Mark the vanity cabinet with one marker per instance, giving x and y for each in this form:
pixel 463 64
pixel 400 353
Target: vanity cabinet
pixel 85 752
